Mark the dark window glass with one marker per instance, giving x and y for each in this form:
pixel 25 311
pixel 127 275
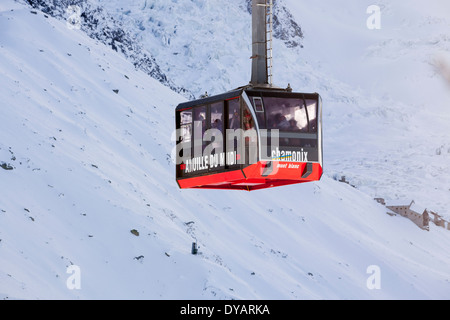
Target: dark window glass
pixel 217 116
pixel 217 143
pixel 258 104
pixel 234 116
pixel 199 130
pixel 234 123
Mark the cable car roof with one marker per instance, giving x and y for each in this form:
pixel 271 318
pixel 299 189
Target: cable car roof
pixel 238 92
pixel 211 99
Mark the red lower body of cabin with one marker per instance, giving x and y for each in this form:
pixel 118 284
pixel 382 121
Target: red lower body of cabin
pixel 257 176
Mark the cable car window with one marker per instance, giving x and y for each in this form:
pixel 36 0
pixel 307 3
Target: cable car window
pixel 278 113
pixel 291 115
pixel 200 115
pixel 248 120
pixel 217 146
pixel 260 115
pixel 217 116
pixel 199 130
pixel 186 125
pixel 186 116
pixel 234 116
pixel 300 121
pixel 258 104
pixel 250 135
pixel 311 106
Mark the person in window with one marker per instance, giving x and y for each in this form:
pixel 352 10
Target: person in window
pixel 280 122
pixel 217 144
pixel 293 126
pixel 248 121
pixel 275 120
pixel 235 121
pixel 217 124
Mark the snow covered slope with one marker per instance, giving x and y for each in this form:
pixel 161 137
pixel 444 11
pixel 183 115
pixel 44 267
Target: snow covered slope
pixel 89 141
pixel 386 113
pixel 387 129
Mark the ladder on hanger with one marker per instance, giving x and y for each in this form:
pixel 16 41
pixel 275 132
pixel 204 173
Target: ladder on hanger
pixel 269 37
pixel 263 37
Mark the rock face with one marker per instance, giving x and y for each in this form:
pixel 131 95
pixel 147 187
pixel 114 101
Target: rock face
pixel 6 166
pixel 284 25
pixel 100 25
pixel 123 33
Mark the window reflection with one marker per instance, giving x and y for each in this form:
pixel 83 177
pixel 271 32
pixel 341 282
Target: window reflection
pixel 291 115
pixel 311 106
pixel 186 126
pixel 199 130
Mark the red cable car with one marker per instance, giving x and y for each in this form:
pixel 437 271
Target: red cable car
pixel 255 137
pixel 249 139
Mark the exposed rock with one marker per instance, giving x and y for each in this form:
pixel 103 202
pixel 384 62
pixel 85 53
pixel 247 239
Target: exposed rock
pixel 6 166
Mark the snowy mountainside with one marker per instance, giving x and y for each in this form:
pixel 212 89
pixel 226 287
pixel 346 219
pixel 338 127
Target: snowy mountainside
pixel 380 87
pixel 88 140
pixel 167 38
pixel 390 135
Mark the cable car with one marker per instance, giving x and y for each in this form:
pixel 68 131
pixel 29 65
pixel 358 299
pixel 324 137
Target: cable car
pixel 254 137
